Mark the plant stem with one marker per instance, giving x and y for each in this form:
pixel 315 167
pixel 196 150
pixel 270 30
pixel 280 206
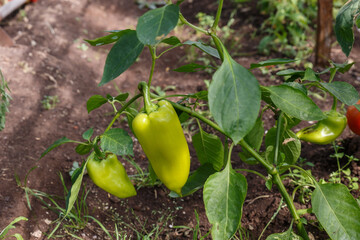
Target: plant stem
pixel 218 15
pixel 148 105
pixel 251 171
pixel 153 60
pixel 277 141
pixel 118 113
pixel 196 28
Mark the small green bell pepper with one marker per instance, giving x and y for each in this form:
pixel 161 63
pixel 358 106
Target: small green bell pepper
pixel 110 175
pixel 324 131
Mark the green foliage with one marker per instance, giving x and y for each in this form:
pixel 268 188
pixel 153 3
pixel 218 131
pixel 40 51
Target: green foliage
pixel 4 100
pixel 287 27
pixel 49 102
pixel 4 233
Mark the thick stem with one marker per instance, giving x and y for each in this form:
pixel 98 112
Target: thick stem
pixel 279 126
pixel 148 105
pixel 290 205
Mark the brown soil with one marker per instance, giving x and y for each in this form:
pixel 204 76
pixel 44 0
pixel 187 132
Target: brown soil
pixel 49 58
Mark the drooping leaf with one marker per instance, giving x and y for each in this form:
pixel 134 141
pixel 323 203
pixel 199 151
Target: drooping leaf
pixel 117 141
pixel 291 72
pixel 10 226
pixel 343 91
pixel 343 67
pixel 270 62
pixel 112 37
pixel 295 103
pixel 344 23
pixel 56 144
pixel 209 149
pixel 121 56
pixel 224 195
pixel 155 24
pixel 76 180
pixel 337 211
pixel 234 98
pixel 205 48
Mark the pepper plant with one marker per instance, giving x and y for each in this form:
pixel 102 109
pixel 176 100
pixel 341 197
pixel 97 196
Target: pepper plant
pixel 236 101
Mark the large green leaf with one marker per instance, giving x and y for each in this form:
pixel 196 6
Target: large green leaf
pixel 234 98
pixel 209 148
pixel 121 56
pixel 337 211
pixel 295 103
pixel 155 24
pixel 117 141
pixel 344 23
pixel 224 195
pixel 343 91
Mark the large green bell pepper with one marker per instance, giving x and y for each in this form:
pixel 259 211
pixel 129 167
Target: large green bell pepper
pixel 161 137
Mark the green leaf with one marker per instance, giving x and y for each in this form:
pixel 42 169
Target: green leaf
pixel 202 95
pixel 95 102
pixel 17 236
pixel 121 56
pixel 337 211
pixel 297 86
pixel 11 225
pixel 88 133
pixel 83 149
pixel 196 180
pixel 191 67
pixel 343 91
pixel 311 75
pixel 224 195
pixel 290 145
pixel 343 67
pixel 122 97
pixel 344 25
pixel 117 141
pixel 171 41
pixel 254 138
pixel 234 98
pixel 4 100
pixel 291 72
pixel 205 48
pixel 112 37
pixel 76 180
pixel 56 144
pixel 209 149
pixel 295 103
pixel 270 62
pixel 155 24
pixel 288 235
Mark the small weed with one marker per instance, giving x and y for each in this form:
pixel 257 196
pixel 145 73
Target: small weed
pixel 49 102
pixel 4 233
